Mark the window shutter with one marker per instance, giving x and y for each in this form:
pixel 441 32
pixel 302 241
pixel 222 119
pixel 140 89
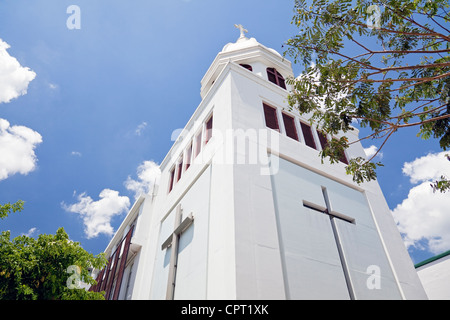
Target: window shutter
pixel 180 169
pixel 198 144
pixel 209 125
pixel 307 134
pixel 289 125
pixel 188 156
pixel 271 75
pixel 343 158
pixel 172 179
pixel 123 261
pixel 323 139
pixel 281 81
pixel 270 115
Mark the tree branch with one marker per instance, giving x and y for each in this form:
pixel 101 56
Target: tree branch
pixel 424 66
pixel 370 135
pixel 429 111
pixel 417 24
pixel 382 145
pixel 430 34
pixel 366 26
pixel 440 25
pixel 420 80
pixel 411 51
pixel 425 121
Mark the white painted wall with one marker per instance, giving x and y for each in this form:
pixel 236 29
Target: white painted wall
pixel 193 245
pixel 207 263
pixel 435 277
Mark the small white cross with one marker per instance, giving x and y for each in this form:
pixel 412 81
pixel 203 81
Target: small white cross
pixel 242 29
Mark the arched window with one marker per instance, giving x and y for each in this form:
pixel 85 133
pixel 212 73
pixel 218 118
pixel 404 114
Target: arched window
pixel 275 77
pixel 247 66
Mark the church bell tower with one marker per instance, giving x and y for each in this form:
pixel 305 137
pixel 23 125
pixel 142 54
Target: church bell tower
pixel 245 209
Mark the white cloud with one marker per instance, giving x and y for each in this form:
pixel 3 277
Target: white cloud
pixel 17 144
pixel 148 176
pixel 423 217
pixel 140 128
pixel 430 167
pixel 97 215
pixel 76 153
pixel 14 78
pixel 370 152
pixel 30 232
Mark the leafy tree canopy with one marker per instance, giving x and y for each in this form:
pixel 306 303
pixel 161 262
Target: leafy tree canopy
pixel 384 64
pixel 49 267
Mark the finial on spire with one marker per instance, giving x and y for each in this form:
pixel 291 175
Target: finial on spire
pixel 241 28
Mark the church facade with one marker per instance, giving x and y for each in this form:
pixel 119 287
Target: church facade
pixel 245 209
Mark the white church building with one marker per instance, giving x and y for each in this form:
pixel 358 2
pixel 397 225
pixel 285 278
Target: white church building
pixel 245 209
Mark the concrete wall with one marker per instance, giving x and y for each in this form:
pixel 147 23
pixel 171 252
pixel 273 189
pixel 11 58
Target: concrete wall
pixel 435 277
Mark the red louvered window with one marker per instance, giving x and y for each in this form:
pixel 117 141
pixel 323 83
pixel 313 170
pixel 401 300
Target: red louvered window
pixel 270 114
pixel 289 126
pixel 172 179
pixel 110 278
pixel 188 156
pixel 343 158
pixel 180 168
pixel 324 143
pixel 198 144
pixel 275 77
pixel 208 133
pixel 323 139
pixel 308 135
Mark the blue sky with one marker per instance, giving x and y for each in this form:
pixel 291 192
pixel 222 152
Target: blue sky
pixel 94 108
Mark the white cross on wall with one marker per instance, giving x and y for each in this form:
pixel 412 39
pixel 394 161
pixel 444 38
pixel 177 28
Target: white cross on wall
pixel 333 216
pixel 173 241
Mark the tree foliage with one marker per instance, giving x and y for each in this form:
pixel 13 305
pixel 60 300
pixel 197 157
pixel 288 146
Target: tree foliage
pixel 384 64
pixel 49 267
pixel 6 209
